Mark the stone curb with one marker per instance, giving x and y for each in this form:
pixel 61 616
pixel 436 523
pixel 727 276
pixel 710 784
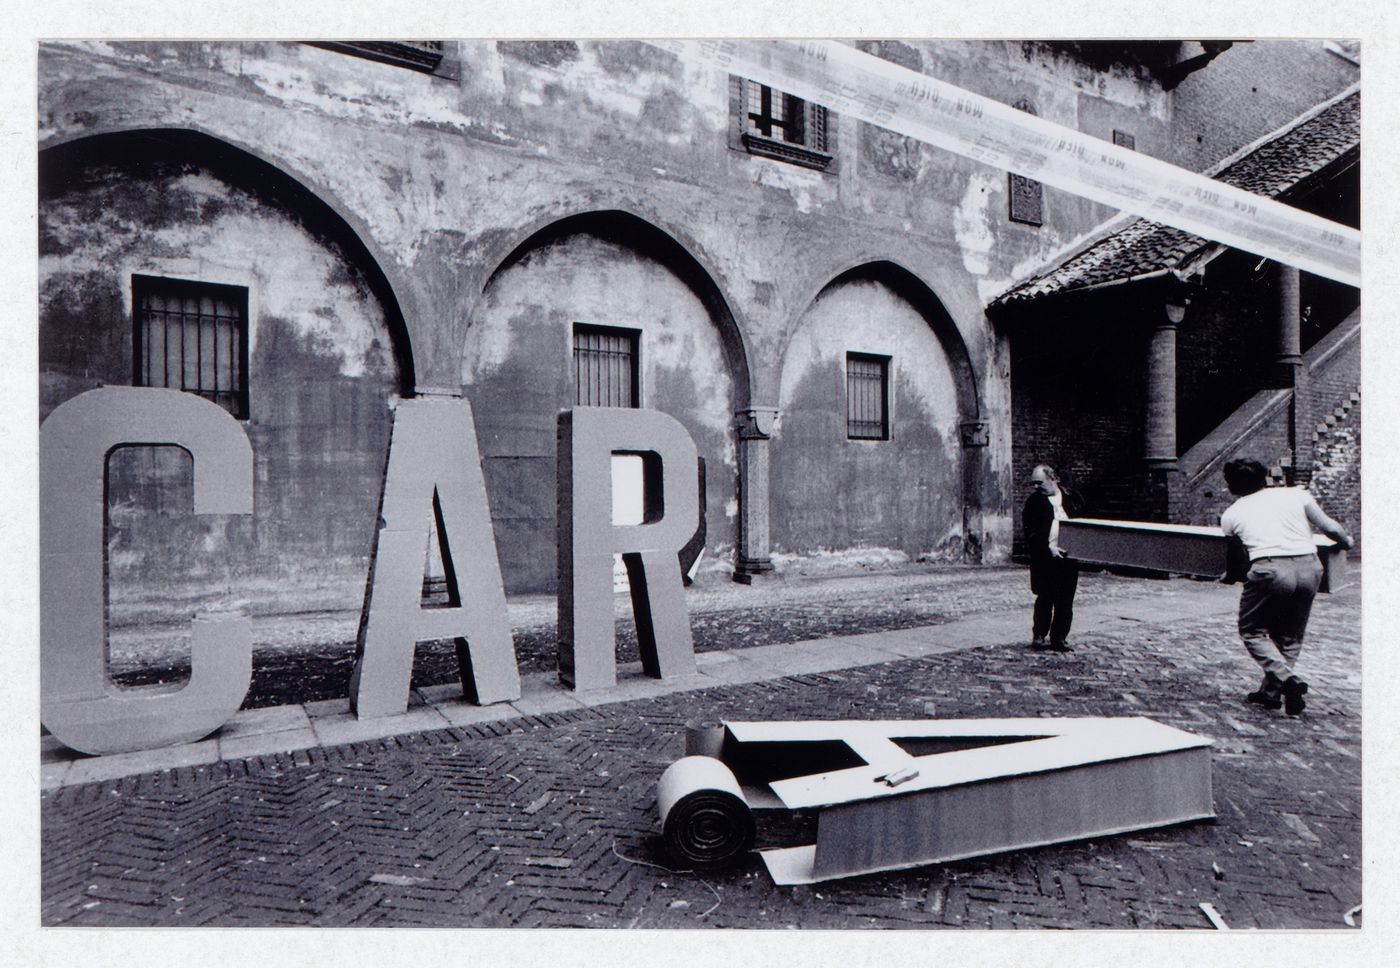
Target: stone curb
pixel 285 729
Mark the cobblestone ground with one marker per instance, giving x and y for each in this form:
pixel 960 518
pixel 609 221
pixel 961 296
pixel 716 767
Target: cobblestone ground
pixel 551 821
pixel 314 656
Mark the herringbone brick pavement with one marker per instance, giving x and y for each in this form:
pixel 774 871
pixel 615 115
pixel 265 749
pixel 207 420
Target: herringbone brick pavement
pixel 551 822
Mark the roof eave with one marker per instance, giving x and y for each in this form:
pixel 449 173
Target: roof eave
pixel 1188 264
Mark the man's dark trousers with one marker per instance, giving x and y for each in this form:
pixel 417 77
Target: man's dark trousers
pixel 1054 581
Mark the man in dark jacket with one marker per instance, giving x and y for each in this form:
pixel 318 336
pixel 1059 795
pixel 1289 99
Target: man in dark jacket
pixel 1054 577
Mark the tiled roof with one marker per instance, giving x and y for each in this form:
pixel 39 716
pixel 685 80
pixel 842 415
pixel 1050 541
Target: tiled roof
pixel 1269 168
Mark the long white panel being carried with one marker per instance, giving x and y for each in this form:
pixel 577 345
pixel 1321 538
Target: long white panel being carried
pixel 876 91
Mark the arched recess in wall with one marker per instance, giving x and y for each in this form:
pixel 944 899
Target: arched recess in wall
pixel 913 290
pixel 145 149
pixel 877 397
pixel 642 235
pixel 609 299
pixel 173 258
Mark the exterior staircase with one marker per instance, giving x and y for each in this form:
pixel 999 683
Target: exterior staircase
pixel 1329 399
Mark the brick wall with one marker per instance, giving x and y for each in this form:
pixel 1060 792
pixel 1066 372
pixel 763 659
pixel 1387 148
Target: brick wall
pixel 1330 438
pixel 1225 345
pixel 1334 401
pixel 1249 91
pixel 1336 472
pixel 1198 494
pixel 1077 404
pixel 1078 379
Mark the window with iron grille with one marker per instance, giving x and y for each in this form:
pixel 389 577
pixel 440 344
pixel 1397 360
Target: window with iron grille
pixel 192 336
pixel 1026 195
pixel 778 125
pixel 1124 140
pixel 867 397
pixel 605 366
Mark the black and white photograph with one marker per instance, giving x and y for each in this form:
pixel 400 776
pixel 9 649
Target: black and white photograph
pixel 608 474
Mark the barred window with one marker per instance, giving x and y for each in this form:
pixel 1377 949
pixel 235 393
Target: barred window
pixel 867 397
pixel 605 366
pixel 192 336
pixel 1124 140
pixel 778 125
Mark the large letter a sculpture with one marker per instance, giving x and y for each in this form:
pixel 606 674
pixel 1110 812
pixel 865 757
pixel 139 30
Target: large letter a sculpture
pixel 434 469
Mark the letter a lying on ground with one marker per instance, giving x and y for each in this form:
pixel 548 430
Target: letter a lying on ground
pixel 894 794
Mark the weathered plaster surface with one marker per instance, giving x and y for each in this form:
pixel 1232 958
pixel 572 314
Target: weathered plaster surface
pixel 320 380
pixel 972 220
pixel 829 492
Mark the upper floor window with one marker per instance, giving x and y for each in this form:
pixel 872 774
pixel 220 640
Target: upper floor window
pixel 778 125
pixel 867 397
pixel 192 336
pixel 605 366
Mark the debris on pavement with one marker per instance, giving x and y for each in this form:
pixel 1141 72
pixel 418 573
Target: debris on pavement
pixel 1216 921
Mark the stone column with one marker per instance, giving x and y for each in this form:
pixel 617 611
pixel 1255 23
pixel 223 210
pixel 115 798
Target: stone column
pixel 976 435
pixel 1160 438
pixel 1289 373
pixel 1288 356
pixel 755 428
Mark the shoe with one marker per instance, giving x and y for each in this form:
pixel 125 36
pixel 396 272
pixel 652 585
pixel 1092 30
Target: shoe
pixel 1058 647
pixel 1264 699
pixel 1293 689
pixel 1038 643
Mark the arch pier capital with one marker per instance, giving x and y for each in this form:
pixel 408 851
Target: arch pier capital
pixel 755 423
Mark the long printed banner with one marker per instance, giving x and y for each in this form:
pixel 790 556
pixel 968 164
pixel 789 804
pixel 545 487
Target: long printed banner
pixel 863 86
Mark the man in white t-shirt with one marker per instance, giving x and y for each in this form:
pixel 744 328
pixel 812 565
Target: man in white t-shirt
pixel 1275 525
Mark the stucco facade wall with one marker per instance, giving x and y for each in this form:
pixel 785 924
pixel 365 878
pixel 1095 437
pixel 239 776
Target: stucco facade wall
pixel 445 180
